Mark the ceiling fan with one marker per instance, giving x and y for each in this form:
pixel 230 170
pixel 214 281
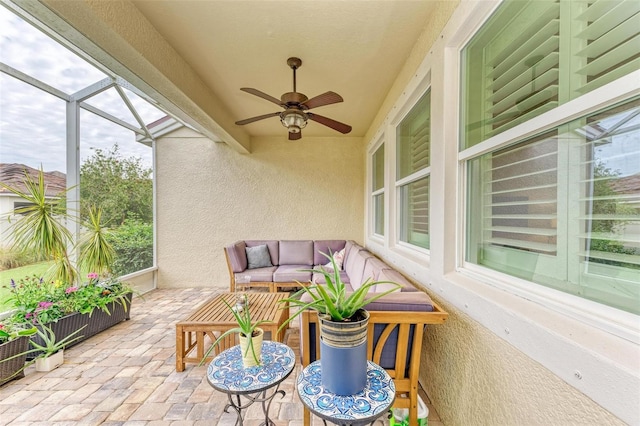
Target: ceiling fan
pixel 296 107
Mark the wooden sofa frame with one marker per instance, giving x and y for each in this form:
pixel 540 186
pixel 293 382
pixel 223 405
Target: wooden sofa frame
pixel 405 377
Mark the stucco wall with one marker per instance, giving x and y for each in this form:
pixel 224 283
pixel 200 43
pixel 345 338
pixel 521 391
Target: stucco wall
pixel 474 377
pixel 209 196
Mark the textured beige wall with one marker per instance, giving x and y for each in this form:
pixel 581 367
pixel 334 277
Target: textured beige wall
pixel 473 377
pixel 210 195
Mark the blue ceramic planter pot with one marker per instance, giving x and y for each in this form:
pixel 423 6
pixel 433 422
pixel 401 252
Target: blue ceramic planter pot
pixel 344 370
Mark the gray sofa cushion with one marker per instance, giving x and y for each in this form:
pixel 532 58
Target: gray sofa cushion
pixel 291 273
pixel 237 256
pixel 274 248
pixel 396 277
pixel 372 269
pixel 320 279
pixel 258 275
pixel 355 267
pixel 350 247
pixel 258 257
pixel 403 301
pixel 327 247
pixel 296 253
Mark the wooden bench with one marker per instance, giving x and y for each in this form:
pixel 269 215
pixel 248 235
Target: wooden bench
pixel 213 318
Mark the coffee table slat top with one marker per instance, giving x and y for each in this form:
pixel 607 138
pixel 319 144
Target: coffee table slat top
pixel 214 312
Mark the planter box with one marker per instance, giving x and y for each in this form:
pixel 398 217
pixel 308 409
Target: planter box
pixel 95 322
pixel 13 369
pixel 100 320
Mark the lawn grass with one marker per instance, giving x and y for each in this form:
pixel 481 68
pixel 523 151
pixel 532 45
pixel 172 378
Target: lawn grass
pixel 17 273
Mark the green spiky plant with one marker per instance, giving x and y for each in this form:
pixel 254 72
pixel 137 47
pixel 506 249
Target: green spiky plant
pixel 332 298
pixel 245 327
pixel 96 253
pixel 41 229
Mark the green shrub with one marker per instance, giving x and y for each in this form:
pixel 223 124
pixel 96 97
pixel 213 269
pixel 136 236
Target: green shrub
pixel 133 244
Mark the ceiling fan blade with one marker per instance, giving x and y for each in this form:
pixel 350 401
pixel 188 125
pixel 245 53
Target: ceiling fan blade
pixel 327 98
pixel 262 95
pixel 260 117
pixel 295 136
pixel 335 125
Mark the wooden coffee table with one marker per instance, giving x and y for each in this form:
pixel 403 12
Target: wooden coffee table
pixel 214 316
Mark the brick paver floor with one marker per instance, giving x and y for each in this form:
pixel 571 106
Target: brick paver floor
pixel 126 376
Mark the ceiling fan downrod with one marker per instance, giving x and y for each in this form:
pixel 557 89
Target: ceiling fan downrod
pixel 294 64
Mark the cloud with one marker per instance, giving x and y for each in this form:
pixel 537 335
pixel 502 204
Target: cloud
pixel 33 122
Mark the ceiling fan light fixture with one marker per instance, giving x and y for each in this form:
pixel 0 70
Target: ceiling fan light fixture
pixel 293 120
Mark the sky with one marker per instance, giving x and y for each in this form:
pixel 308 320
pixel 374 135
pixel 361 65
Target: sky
pixel 32 122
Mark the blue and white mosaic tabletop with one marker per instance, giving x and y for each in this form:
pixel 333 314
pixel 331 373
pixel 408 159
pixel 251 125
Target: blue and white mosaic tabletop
pixel 227 374
pixel 363 407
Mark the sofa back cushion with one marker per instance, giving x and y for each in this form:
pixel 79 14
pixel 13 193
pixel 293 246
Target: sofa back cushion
pixel 355 267
pixel 237 256
pixel 372 269
pixel 273 246
pixel 298 252
pixel 350 247
pixel 327 247
pixel 396 277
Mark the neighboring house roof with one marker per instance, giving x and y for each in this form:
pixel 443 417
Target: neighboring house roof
pixel 13 175
pixel 627 184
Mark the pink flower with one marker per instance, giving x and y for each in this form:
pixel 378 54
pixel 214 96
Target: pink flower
pixel 92 275
pixel 45 305
pixel 71 290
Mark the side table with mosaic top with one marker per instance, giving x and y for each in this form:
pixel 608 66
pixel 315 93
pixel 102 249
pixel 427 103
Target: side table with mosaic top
pixel 364 407
pixel 256 384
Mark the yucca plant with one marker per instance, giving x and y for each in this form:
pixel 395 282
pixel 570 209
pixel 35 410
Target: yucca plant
pixel 40 228
pixel 96 253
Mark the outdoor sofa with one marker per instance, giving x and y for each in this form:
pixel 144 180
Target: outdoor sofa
pixel 395 337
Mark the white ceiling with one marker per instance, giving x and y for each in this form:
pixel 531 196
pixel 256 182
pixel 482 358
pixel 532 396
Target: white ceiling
pixel 355 48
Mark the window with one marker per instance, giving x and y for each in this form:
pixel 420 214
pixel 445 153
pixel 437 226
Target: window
pixel 413 136
pixel 563 209
pixel 532 56
pixel 378 190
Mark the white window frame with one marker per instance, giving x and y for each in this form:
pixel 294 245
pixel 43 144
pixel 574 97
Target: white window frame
pixel 371 206
pixel 622 324
pixel 402 247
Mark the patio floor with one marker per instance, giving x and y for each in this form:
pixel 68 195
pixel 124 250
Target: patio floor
pixel 126 376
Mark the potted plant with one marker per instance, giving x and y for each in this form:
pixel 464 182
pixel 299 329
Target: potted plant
pixel 14 342
pixel 51 352
pixel 343 325
pixel 250 335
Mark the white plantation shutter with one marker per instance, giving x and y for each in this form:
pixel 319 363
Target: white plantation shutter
pixel 377 183
pixel 563 209
pixel 610 42
pixel 520 189
pixel 523 77
pixel 537 55
pixel 413 139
